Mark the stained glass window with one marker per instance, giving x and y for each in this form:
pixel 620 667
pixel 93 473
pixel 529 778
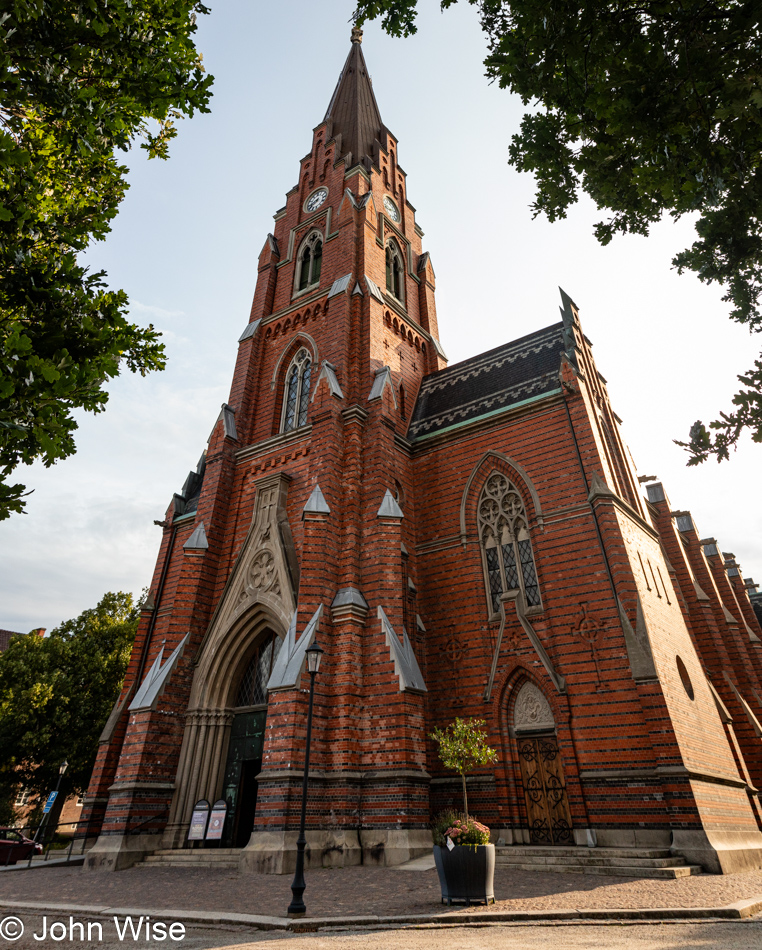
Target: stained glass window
pixel 304 393
pixel 504 535
pixel 495 577
pixel 292 394
pixel 253 688
pixel 529 574
pixel 296 397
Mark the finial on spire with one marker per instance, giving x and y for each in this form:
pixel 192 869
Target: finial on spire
pixel 356 34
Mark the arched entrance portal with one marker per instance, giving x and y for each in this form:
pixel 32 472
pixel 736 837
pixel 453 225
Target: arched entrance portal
pixel 221 752
pixel 224 725
pixel 542 770
pixel 247 735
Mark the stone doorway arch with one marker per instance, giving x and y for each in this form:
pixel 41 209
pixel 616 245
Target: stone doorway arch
pixel 259 600
pixel 216 719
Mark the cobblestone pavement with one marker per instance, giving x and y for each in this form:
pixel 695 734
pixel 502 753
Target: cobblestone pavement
pixel 362 890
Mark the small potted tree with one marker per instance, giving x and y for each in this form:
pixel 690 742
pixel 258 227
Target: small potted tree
pixel 464 857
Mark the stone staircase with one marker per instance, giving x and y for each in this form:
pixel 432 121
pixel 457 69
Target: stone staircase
pixel 657 863
pixel 222 858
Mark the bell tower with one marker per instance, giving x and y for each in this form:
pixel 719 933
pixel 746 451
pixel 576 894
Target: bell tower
pixel 297 525
pixel 346 260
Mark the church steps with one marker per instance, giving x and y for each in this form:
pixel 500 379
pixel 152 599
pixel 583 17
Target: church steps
pixel 542 851
pixel 601 861
pixel 666 874
pixel 630 862
pixel 227 858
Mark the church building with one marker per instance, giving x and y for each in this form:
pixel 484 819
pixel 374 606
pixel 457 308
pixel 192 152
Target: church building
pixel 462 541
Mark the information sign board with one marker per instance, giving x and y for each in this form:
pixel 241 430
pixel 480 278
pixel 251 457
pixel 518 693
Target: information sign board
pixel 217 820
pixel 198 821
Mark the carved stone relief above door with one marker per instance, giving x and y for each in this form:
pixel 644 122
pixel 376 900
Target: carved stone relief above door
pixel 531 710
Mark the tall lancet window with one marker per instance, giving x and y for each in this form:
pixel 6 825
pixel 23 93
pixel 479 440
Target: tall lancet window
pixel 394 271
pixel 297 393
pixel 309 261
pixel 506 545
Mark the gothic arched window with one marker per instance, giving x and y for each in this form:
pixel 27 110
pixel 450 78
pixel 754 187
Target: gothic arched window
pixel 394 271
pixel 253 688
pixel 296 395
pixel 506 545
pixel 309 260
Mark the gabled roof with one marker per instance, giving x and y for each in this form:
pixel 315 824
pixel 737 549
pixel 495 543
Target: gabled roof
pixel 490 382
pixel 5 638
pixel 353 110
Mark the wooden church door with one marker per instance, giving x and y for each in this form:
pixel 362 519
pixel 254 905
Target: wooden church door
pixel 542 775
pixel 542 771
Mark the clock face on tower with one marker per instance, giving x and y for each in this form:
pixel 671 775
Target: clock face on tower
pixel 391 209
pixel 316 199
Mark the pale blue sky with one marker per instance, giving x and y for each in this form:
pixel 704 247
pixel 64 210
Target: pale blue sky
pixel 185 247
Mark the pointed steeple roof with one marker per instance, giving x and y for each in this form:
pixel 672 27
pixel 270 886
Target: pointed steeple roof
pixel 353 110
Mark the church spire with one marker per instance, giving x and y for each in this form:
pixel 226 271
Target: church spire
pixel 353 110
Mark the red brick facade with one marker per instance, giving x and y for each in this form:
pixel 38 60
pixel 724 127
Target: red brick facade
pixel 634 616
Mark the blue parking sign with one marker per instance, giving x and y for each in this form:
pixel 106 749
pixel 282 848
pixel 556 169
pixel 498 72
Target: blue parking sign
pixel 49 803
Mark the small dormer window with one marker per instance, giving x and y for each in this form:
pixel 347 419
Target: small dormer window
pixel 394 271
pixel 296 396
pixel 309 261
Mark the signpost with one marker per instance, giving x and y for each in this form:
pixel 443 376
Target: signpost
pixel 199 820
pixel 49 803
pixel 217 820
pixel 51 798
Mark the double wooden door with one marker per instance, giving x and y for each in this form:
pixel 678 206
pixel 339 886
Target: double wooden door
pixel 542 774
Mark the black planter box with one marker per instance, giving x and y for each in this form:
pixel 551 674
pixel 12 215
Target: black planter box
pixel 466 873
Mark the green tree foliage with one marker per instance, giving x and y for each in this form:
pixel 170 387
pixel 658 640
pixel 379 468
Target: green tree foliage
pixel 463 747
pixel 56 694
pixel 79 81
pixel 649 108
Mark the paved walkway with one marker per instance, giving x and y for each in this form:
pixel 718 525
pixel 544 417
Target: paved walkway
pixel 348 892
pixel 704 935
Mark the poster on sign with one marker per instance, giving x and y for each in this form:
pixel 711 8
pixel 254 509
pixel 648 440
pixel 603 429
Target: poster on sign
pixel 198 821
pixel 217 820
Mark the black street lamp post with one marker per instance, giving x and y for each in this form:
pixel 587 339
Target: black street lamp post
pixel 297 908
pixel 61 769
